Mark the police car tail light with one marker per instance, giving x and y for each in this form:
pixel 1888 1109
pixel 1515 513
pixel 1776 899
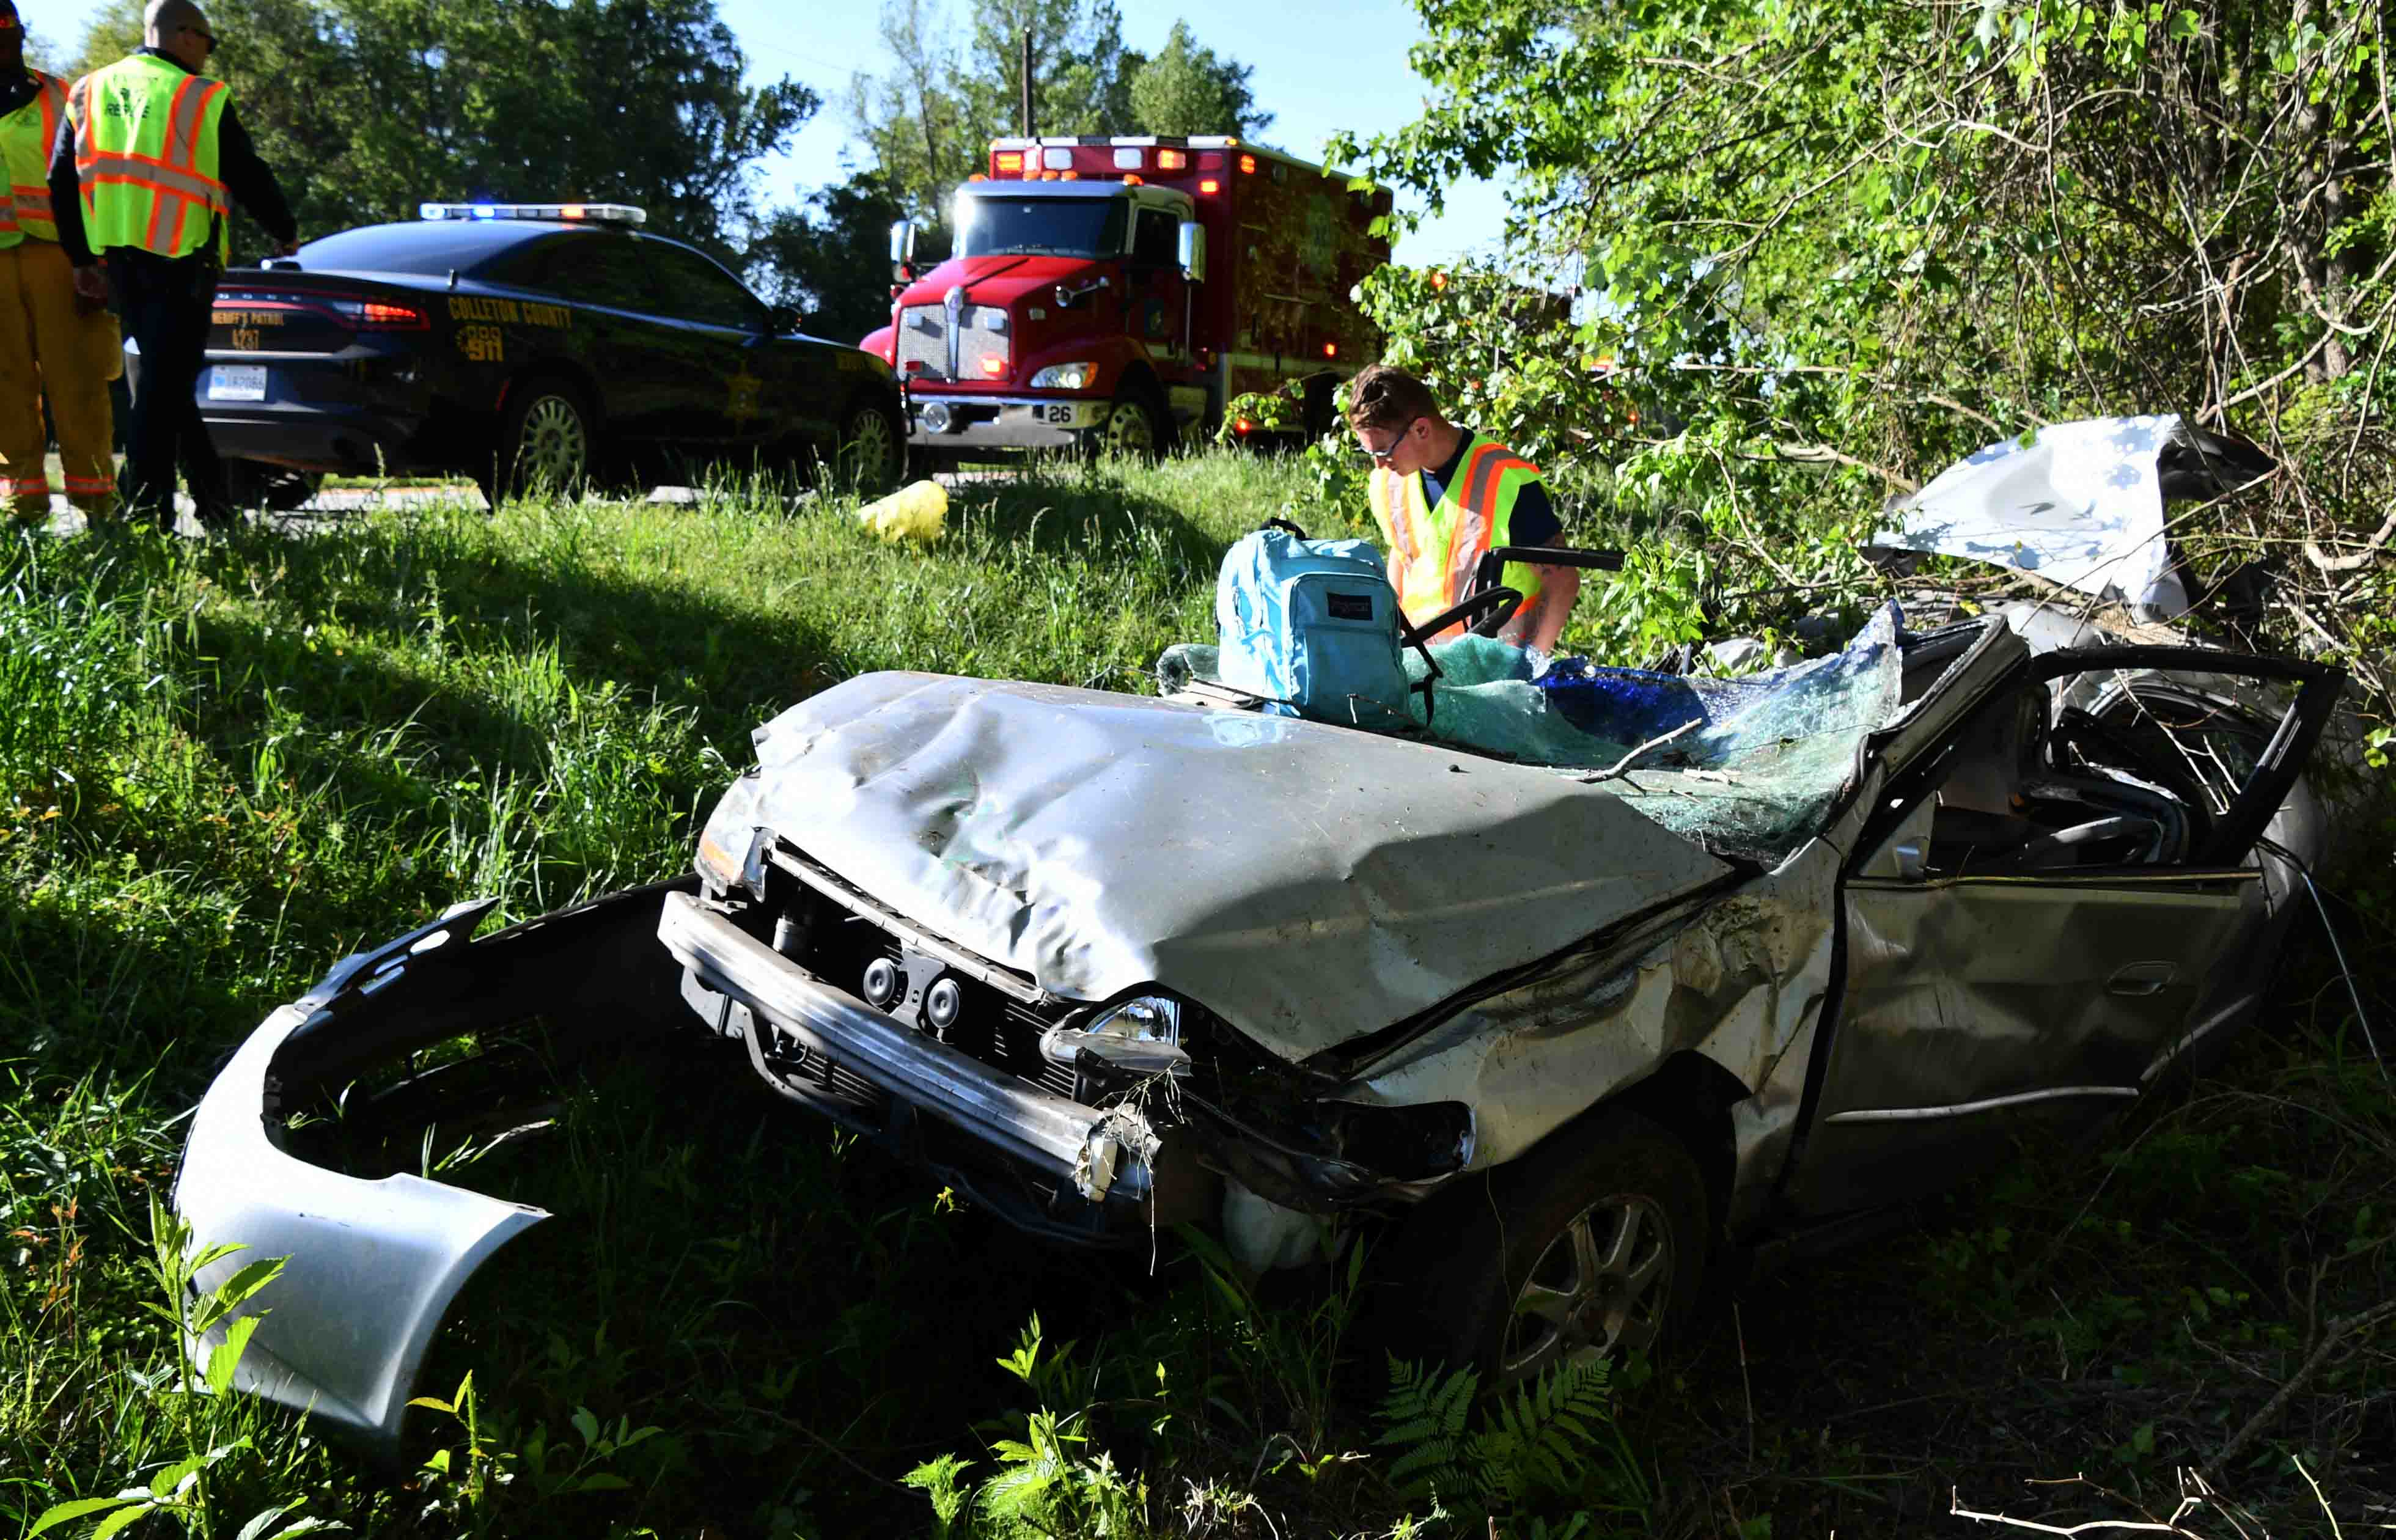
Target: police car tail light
pixel 622 214
pixel 360 313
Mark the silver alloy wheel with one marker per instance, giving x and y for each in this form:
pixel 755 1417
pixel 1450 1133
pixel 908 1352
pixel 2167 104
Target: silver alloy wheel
pixel 867 453
pixel 553 448
pixel 1603 1286
pixel 1130 429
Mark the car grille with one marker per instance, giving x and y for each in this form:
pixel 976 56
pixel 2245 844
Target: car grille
pixel 837 934
pixel 923 342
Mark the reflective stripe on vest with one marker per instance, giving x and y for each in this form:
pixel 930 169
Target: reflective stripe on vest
pixel 1440 547
pixel 146 155
pixel 26 136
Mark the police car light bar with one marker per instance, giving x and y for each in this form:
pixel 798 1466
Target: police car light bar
pixel 623 214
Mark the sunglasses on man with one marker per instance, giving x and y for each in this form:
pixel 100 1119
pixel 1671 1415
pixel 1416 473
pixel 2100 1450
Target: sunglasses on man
pixel 1382 456
pixel 203 35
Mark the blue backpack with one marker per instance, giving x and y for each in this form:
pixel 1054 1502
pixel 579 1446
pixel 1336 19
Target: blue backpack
pixel 1312 627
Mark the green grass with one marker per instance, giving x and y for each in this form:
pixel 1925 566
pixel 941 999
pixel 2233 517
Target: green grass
pixel 223 766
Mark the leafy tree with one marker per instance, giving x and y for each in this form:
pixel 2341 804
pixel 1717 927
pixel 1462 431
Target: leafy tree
pixel 1870 235
pixel 1185 90
pixel 366 108
pixel 831 259
pixel 928 124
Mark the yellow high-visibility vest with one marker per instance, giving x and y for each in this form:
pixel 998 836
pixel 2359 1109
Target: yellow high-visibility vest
pixel 1440 547
pixel 26 136
pixel 146 155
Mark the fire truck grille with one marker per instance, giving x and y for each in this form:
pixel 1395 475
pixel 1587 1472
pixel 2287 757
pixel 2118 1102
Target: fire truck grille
pixel 977 342
pixel 923 341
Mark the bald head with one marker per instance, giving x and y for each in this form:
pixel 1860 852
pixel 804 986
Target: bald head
pixel 180 30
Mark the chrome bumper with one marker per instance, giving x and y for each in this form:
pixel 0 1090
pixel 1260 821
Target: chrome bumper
pixel 1105 1153
pixel 1023 422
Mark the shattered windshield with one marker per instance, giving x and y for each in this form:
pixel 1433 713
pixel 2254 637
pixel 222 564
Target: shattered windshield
pixel 1747 766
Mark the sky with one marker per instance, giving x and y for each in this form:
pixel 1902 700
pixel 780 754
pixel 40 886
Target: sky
pixel 1319 68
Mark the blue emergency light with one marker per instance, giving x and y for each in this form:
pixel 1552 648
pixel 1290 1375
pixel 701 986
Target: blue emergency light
pixel 622 214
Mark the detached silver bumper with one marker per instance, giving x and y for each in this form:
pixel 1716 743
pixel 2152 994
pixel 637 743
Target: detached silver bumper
pixel 372 1265
pixel 1104 1152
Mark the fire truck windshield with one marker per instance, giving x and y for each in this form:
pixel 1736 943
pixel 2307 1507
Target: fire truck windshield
pixel 1046 227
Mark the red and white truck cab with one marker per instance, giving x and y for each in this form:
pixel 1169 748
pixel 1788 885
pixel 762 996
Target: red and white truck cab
pixel 1118 292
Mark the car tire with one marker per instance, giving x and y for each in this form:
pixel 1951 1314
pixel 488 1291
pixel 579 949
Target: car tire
pixel 1593 1245
pixel 872 452
pixel 545 441
pixel 1136 427
pixel 276 488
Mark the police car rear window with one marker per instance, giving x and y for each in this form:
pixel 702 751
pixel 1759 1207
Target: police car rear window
pixel 431 247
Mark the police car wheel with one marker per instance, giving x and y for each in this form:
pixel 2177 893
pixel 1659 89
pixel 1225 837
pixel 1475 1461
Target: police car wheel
pixel 871 448
pixel 544 439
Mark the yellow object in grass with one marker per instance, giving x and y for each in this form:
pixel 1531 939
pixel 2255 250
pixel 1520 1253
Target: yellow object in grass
pixel 917 511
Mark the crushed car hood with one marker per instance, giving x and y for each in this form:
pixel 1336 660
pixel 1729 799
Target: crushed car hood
pixel 1306 883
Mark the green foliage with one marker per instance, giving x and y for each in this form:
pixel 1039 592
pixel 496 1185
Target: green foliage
pixel 1742 243
pixel 928 124
pixel 831 259
pixel 1186 89
pixel 201 1415
pixel 1423 1417
pixel 1550 1441
pixel 364 107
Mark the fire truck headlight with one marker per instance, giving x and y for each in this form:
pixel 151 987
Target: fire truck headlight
pixel 1065 376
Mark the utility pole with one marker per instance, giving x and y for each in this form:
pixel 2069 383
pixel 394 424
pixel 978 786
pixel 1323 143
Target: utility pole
pixel 1030 126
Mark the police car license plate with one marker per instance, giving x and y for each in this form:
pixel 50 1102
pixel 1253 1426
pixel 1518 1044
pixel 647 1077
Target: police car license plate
pixel 236 382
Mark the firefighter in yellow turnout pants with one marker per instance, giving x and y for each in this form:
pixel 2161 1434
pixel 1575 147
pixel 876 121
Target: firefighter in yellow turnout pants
pixel 51 339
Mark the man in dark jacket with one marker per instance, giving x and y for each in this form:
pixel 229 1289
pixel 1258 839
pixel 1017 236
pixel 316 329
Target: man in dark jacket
pixel 142 178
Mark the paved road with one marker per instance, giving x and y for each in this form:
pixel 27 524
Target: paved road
pixel 325 508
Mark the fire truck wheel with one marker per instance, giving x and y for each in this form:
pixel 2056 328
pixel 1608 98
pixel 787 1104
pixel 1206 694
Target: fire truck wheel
pixel 1138 425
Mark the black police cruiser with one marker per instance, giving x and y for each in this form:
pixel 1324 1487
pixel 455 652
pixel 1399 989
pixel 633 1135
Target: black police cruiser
pixel 525 344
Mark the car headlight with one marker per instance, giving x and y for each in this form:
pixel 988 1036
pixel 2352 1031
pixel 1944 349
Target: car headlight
pixel 1142 1035
pixel 1064 377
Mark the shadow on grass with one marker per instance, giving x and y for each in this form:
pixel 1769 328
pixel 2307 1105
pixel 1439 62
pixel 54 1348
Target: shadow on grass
pixel 732 668
pixel 808 1317
pixel 1053 511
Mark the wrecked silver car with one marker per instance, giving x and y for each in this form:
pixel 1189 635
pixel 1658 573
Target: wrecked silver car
pixel 1682 964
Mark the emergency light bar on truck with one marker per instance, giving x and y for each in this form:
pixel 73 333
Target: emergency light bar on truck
pixel 622 214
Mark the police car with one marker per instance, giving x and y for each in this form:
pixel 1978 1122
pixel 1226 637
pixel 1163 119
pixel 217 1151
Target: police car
pixel 524 345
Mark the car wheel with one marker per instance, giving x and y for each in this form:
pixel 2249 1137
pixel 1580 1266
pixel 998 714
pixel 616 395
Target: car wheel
pixel 1590 1247
pixel 873 450
pixel 545 441
pixel 276 488
pixel 1136 427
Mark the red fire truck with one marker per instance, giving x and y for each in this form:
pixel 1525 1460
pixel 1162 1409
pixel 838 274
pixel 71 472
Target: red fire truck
pixel 1117 292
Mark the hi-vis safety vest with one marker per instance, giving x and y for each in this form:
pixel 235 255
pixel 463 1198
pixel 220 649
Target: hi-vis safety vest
pixel 1438 548
pixel 146 155
pixel 26 136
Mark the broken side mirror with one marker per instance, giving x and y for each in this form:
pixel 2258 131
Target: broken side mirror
pixel 1193 251
pixel 902 251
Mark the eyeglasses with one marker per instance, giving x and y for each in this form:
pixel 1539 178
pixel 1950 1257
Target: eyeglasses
pixel 1383 455
pixel 206 36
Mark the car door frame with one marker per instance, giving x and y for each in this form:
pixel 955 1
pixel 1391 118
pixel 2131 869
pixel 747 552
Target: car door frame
pixel 1830 1165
